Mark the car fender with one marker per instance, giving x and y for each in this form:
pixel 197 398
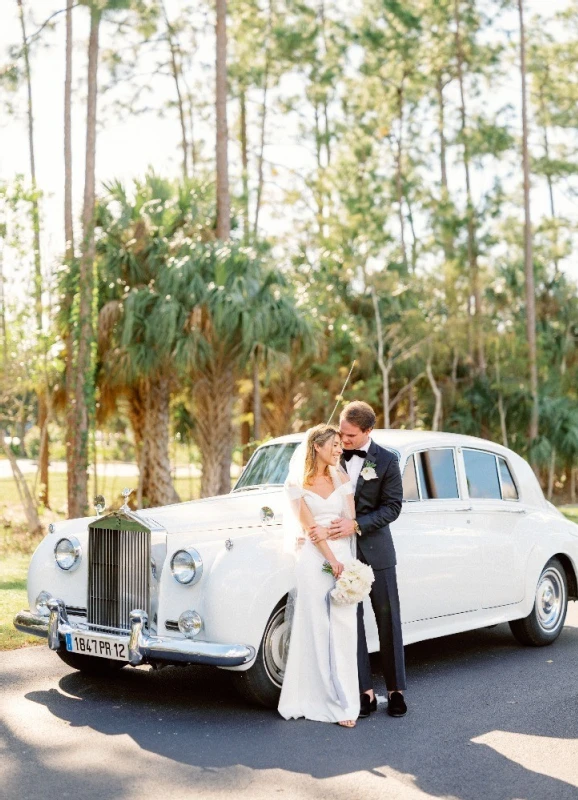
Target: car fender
pixel 559 542
pixel 244 585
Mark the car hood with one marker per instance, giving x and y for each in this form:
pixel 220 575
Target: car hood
pixel 232 511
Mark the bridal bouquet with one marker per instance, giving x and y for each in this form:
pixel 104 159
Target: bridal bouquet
pixel 353 584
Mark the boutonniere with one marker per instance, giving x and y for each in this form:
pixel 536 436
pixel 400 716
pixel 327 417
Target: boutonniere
pixel 368 472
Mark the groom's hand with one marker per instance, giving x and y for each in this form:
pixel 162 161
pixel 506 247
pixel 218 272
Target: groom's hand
pixel 341 527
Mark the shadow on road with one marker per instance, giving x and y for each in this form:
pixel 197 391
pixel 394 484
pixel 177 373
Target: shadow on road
pixel 461 688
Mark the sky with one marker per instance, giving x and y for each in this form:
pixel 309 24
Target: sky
pixel 125 148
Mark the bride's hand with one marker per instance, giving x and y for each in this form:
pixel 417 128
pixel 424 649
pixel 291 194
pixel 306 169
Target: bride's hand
pixel 317 533
pixel 337 568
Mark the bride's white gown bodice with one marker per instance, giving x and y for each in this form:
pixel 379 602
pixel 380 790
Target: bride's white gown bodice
pixel 308 687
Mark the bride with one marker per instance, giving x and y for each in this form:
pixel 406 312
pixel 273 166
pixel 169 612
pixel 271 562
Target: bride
pixel 320 680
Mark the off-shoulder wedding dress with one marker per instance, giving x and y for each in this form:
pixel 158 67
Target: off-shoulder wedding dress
pixel 320 680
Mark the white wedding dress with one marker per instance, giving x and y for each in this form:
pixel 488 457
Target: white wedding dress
pixel 320 680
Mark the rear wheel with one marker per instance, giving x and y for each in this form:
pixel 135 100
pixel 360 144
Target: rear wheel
pixel 90 665
pixel 262 682
pixel 546 620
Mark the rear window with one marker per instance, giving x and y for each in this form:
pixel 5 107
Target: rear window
pixel 509 490
pixel 482 475
pixel 410 490
pixel 437 474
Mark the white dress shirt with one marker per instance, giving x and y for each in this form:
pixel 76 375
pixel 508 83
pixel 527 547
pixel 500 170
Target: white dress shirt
pixel 355 463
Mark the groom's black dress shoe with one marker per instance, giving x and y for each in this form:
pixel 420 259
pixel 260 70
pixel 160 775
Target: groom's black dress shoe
pixel 366 705
pixel 396 706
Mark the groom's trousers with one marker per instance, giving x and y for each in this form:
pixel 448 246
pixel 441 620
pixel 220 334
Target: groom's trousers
pixel 384 598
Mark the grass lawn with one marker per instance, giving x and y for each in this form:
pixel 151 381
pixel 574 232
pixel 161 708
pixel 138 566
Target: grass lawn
pixel 13 597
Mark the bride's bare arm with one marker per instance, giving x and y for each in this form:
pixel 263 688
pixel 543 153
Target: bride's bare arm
pixel 307 521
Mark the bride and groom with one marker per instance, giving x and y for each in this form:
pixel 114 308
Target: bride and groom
pixel 343 490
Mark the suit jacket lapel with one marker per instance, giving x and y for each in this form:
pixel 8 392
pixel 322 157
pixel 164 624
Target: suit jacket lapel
pixel 371 453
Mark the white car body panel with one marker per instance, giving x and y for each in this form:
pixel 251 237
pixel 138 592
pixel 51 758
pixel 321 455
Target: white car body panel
pixel 462 563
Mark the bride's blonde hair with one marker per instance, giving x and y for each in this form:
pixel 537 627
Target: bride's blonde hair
pixel 318 435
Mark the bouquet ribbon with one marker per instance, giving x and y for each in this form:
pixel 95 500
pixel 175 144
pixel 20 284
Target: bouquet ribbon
pixel 337 689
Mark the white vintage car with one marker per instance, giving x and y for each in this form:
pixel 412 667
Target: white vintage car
pixel 206 582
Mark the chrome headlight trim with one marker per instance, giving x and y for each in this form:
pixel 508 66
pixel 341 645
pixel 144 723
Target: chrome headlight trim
pixel 188 564
pixel 74 551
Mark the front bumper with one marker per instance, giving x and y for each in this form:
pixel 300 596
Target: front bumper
pixel 142 647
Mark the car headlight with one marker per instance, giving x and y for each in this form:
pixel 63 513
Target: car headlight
pixel 68 553
pixel 190 624
pixel 187 566
pixel 40 603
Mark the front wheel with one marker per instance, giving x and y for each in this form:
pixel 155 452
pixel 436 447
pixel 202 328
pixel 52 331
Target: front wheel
pixel 262 682
pixel 546 620
pixel 90 665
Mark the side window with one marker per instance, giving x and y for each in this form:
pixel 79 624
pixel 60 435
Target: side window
pixel 482 475
pixel 509 491
pixel 410 490
pixel 437 474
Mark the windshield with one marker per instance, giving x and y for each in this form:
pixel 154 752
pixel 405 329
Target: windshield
pixel 269 465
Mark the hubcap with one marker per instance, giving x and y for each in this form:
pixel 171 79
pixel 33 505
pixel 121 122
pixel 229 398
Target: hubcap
pixel 276 646
pixel 550 599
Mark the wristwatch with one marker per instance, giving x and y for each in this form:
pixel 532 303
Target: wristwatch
pixel 356 527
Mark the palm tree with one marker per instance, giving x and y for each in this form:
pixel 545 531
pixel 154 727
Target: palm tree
pixel 236 303
pixel 142 237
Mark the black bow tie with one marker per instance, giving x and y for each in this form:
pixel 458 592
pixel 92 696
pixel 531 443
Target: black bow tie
pixel 348 454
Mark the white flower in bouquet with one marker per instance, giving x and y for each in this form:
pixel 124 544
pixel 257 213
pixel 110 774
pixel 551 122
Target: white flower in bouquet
pixel 354 583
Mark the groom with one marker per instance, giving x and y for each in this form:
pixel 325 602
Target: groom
pixel 375 475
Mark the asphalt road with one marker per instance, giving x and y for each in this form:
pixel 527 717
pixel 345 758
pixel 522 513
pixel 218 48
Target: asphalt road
pixel 488 720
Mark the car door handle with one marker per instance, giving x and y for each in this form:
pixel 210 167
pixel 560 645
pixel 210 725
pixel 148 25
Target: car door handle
pixel 515 510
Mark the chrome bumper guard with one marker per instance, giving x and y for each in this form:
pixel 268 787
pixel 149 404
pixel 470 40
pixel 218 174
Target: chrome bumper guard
pixel 142 647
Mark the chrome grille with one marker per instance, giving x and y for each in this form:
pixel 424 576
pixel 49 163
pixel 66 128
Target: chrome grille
pixel 118 576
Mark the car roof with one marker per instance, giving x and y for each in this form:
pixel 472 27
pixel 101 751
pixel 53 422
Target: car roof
pixel 401 439
pixel 404 441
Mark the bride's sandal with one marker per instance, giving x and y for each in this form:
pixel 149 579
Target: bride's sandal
pixel 347 723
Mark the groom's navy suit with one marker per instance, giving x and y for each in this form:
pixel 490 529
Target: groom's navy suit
pixel 377 503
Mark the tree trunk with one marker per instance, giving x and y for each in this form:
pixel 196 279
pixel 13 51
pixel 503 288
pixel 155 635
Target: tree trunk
pixel 137 416
pixel 43 455
pixel 256 397
pixel 441 133
pixel 476 340
pixel 159 489
pixel 3 329
pixel 69 249
pixel 223 196
pixel 35 208
pixel 261 157
pixel 68 221
pixel 573 472
pixel 213 400
pixel 380 359
pixel 528 254
pixel 411 407
pixel 244 165
pixel 77 469
pixel 399 177
pixel 176 71
pixel 437 415
pixel 551 474
pixel 28 504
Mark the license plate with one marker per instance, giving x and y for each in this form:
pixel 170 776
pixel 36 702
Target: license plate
pixel 96 644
